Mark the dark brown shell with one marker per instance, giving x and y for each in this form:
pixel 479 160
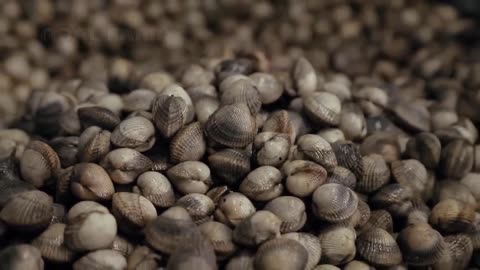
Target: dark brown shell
pixel 98 116
pixel 421 245
pixel 230 165
pixel 456 159
pixel 452 216
pixel 334 202
pixel 378 247
pixel 281 253
pixel 426 148
pixel 375 175
pixel 170 114
pixel 188 144
pixel 348 156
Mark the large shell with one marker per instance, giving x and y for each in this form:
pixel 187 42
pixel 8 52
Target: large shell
pixel 421 245
pixel 101 259
pixel 459 250
pixel 426 148
pixel 268 86
pixel 379 219
pixel 188 144
pixel 170 114
pixel 230 165
pixel 199 206
pixel 233 208
pixel 382 143
pixel 39 163
pixel 190 177
pixel 137 133
pixel 132 211
pixel 156 188
pixel 311 243
pixel 281 254
pixel 456 159
pixel 290 210
pixel 89 181
pixel 262 184
pixel 452 216
pixel 231 126
pixel 220 236
pixel 323 108
pixel 334 202
pixel 51 244
pixel 125 164
pixel 395 198
pixel 378 247
pixel 98 116
pixel 375 175
pixel 303 177
pixel 28 211
pixel 257 228
pixel 410 173
pixel 348 156
pixel 343 176
pixel 338 244
pixel 279 121
pixel 94 144
pixel 242 91
pixel 21 257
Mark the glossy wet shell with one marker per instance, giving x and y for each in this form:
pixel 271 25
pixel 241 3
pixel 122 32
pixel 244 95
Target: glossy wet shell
pixel 98 116
pixel 156 188
pixel 317 149
pixel 375 175
pixel 281 253
pixel 452 216
pixel 303 177
pixel 323 108
pixel 170 114
pixel 132 211
pixel 257 228
pixel 334 202
pixel 290 210
pixel 51 244
pixel 39 163
pixel 101 259
pixel 231 126
pixel 348 156
pixel 137 133
pixel 220 236
pixel 421 245
pixel 311 243
pixel 188 144
pixel 378 247
pixel 262 184
pixel 338 245
pixel 199 206
pixel 230 165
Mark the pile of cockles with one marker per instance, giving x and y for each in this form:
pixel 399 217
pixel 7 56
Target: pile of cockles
pixel 356 152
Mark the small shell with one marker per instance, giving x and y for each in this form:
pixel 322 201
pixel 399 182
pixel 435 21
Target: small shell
pixel 304 77
pixel 323 108
pixel 190 177
pixel 196 252
pixel 411 173
pixel 231 126
pixel 257 228
pixel 311 243
pixel 89 181
pixel 170 114
pixel 395 198
pixel 413 116
pixel 382 143
pixel 199 206
pixel 230 165
pixel 101 259
pixel 125 164
pixel 456 159
pixel 220 236
pixel 233 208
pixel 303 177
pixel 21 257
pixel 143 258
pixel 132 211
pixel 156 188
pixel 51 244
pixel 378 247
pixel 39 163
pixel 139 100
pixel 271 148
pixel 290 210
pixel 334 202
pixel 452 216
pixel 67 149
pixel 426 148
pixel 94 144
pixel 279 121
pixel 281 254
pixel 343 176
pixel 379 219
pixel 376 174
pixel 338 245
pixel 262 184
pixel 205 107
pixel 421 245
pixel 188 144
pixel 459 252
pixel 137 133
pixel 348 156
pixel 268 86
pixel 352 122
pixel 242 91
pixel 28 211
pixel 242 260
pixel 122 245
pixel 316 149
pixel 97 116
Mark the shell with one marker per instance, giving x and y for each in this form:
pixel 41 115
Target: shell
pixel 413 116
pixel 378 247
pixel 410 173
pixel 323 108
pixel 20 257
pixel 379 219
pixel 331 135
pixel 89 181
pixel 199 206
pixel 326 267
pixel 304 77
pixel 456 159
pixel 257 228
pixel 101 259
pixel 338 245
pixel 290 210
pixel 459 252
pixel 28 211
pixel 97 116
pixel 279 121
pixel 139 100
pixel 421 245
pixel 230 165
pixel 357 265
pixel 39 163
pixel 339 89
pixel 382 143
pixel 137 133
pixel 188 144
pixel 281 253
pixel 216 193
pixel 143 258
pixel 426 148
pixel 311 243
pixel 395 198
pixel 220 236
pixel 196 75
pixel 348 156
pixel 94 144
pixel 450 189
pixel 51 245
pixel 271 148
pixel 231 126
pixel 343 176
pixel 85 207
pixel 170 114
pixel 231 67
pixel 193 253
pixel 205 107
pixel 156 188
pixel 372 99
pixel 464 129
pixel 125 164
pixel 360 217
pixel 122 245
pixel 132 211
pixel 452 216
pixel 352 121
pixel 303 177
pixel 376 174
pixel 178 91
pixel 262 184
pixel 66 149
pixel 190 177
pixel 10 185
pixel 472 184
pixel 242 260
pixel 59 213
pixel 242 91
pixel 316 149
pixel 268 86
pixel 334 202
pixel 233 208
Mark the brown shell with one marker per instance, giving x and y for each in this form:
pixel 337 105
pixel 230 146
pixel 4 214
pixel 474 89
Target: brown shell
pixel 378 247
pixel 231 126
pixel 220 236
pixel 136 132
pixel 395 198
pixel 382 143
pixel 281 253
pixel 132 211
pixel 311 243
pixel 421 245
pixel 188 144
pixel 279 121
pixel 343 176
pixel 303 177
pixel 411 173
pixel 101 259
pixel 376 174
pixel 199 206
pixel 426 148
pixel 458 254
pixel 65 147
pixel 290 210
pixel 97 116
pixel 89 181
pixel 348 156
pixel 338 244
pixel 39 163
pixel 156 188
pixel 334 202
pixel 317 149
pixel 257 228
pixel 94 144
pixel 262 184
pixel 452 216
pixel 413 116
pixel 323 108
pixel 230 165
pixel 51 244
pixel 381 219
pixel 456 159
pixel 170 114
pixel 125 164
pixel 242 91
pixel 20 257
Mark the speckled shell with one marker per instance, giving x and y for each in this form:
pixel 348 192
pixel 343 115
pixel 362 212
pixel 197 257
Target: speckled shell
pixel 281 253
pixel 230 165
pixel 378 247
pixel 334 202
pixel 421 245
pixel 169 114
pixel 188 144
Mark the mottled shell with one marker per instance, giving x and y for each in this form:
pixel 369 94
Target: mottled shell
pixel 89 181
pixel 94 144
pixel 459 250
pixel 199 206
pixel 188 144
pixel 303 177
pixel 271 148
pixel 334 202
pixel 352 122
pixel 97 116
pixel 378 247
pixel 456 159
pixel 426 148
pixel 257 228
pixel 343 176
pixel 410 173
pixel 348 156
pixel 137 133
pixel 268 86
pixel 452 216
pixel 230 165
pixel 21 257
pixel 413 116
pixel 304 77
pixel 421 245
pixel 139 100
pixel 156 188
pixel 290 210
pixel 101 259
pixel 39 163
pixel 231 126
pixel 281 254
pixel 220 236
pixel 375 175
pixel 316 149
pixel 323 108
pixel 28 211
pixel 143 258
pixel 132 211
pixel 233 208
pixel 311 243
pixel 338 245
pixel 51 244
pixel 262 184
pixel 382 143
pixel 279 121
pixel 242 91
pixel 125 164
pixel 190 177
pixel 170 114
